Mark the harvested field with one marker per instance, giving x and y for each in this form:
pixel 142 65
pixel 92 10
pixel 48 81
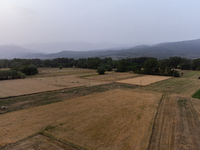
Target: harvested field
pixel 38 142
pixel 27 86
pixel 29 101
pixel 46 72
pixel 177 124
pixel 144 80
pixel 183 86
pixel 113 76
pixel 191 74
pixel 116 119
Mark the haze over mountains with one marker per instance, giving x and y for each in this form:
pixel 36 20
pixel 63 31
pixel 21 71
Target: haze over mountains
pixel 188 49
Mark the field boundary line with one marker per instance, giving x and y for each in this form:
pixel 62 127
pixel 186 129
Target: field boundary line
pixel 153 128
pixel 43 92
pixel 70 144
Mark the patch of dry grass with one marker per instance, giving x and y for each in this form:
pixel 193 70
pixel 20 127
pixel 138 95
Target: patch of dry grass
pixel 144 80
pixel 113 76
pixel 116 119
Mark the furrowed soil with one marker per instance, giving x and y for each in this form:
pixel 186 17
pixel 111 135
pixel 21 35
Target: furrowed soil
pixel 177 124
pixel 116 119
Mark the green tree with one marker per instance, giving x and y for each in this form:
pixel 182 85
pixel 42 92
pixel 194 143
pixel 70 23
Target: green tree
pixel 150 66
pixel 122 65
pixel 101 70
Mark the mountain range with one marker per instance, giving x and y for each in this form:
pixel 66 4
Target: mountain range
pixel 188 49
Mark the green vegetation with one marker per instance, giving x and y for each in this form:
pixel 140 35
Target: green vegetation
pixel 11 74
pixel 101 70
pixel 60 67
pixel 91 75
pixel 196 95
pixel 141 65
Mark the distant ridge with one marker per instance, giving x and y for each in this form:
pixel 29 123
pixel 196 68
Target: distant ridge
pixel 188 49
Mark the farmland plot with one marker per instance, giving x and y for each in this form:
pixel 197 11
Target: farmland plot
pixel 41 84
pixel 144 80
pixel 113 76
pixel 116 119
pixel 177 124
pixel 183 86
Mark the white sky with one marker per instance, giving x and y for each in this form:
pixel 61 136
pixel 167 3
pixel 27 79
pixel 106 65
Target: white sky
pixel 116 21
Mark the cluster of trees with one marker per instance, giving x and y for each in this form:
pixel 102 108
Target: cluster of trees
pixel 11 74
pixel 145 65
pixel 19 68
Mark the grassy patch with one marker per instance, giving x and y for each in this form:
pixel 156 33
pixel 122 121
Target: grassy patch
pixel 182 103
pixel 91 75
pixel 196 95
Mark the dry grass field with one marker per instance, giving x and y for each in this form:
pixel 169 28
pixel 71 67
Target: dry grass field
pixel 47 82
pixel 177 124
pixel 182 86
pixel 111 112
pixel 46 72
pixel 144 80
pixel 116 119
pixel 113 76
pixel 38 142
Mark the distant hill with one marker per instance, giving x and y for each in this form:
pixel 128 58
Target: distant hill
pixel 188 49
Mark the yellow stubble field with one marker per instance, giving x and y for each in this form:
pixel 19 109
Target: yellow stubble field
pixel 116 119
pixel 45 81
pixel 144 80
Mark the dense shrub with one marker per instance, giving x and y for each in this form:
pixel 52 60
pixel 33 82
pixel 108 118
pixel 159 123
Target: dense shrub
pixel 176 73
pixel 101 70
pixel 27 69
pixel 21 75
pixel 60 67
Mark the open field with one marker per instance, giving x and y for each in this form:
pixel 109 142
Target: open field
pixel 29 101
pixel 177 124
pixel 104 114
pixel 99 120
pixel 191 74
pixel 46 72
pixel 183 86
pixel 38 142
pixel 144 80
pixel 43 82
pixel 113 76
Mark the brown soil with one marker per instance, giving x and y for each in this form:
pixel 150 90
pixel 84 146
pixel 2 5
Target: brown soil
pixel 177 125
pixel 38 142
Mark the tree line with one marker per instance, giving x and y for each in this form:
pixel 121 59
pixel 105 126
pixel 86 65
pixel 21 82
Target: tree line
pixel 143 65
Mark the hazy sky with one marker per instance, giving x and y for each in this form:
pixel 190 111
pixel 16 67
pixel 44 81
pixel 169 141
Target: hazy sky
pixel 117 21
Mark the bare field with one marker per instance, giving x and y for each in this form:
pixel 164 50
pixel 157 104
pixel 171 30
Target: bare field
pixel 116 119
pixel 183 86
pixel 38 142
pixel 113 76
pixel 46 72
pixel 177 124
pixel 144 80
pixel 40 83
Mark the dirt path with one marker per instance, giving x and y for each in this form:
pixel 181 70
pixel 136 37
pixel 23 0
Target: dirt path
pixel 177 125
